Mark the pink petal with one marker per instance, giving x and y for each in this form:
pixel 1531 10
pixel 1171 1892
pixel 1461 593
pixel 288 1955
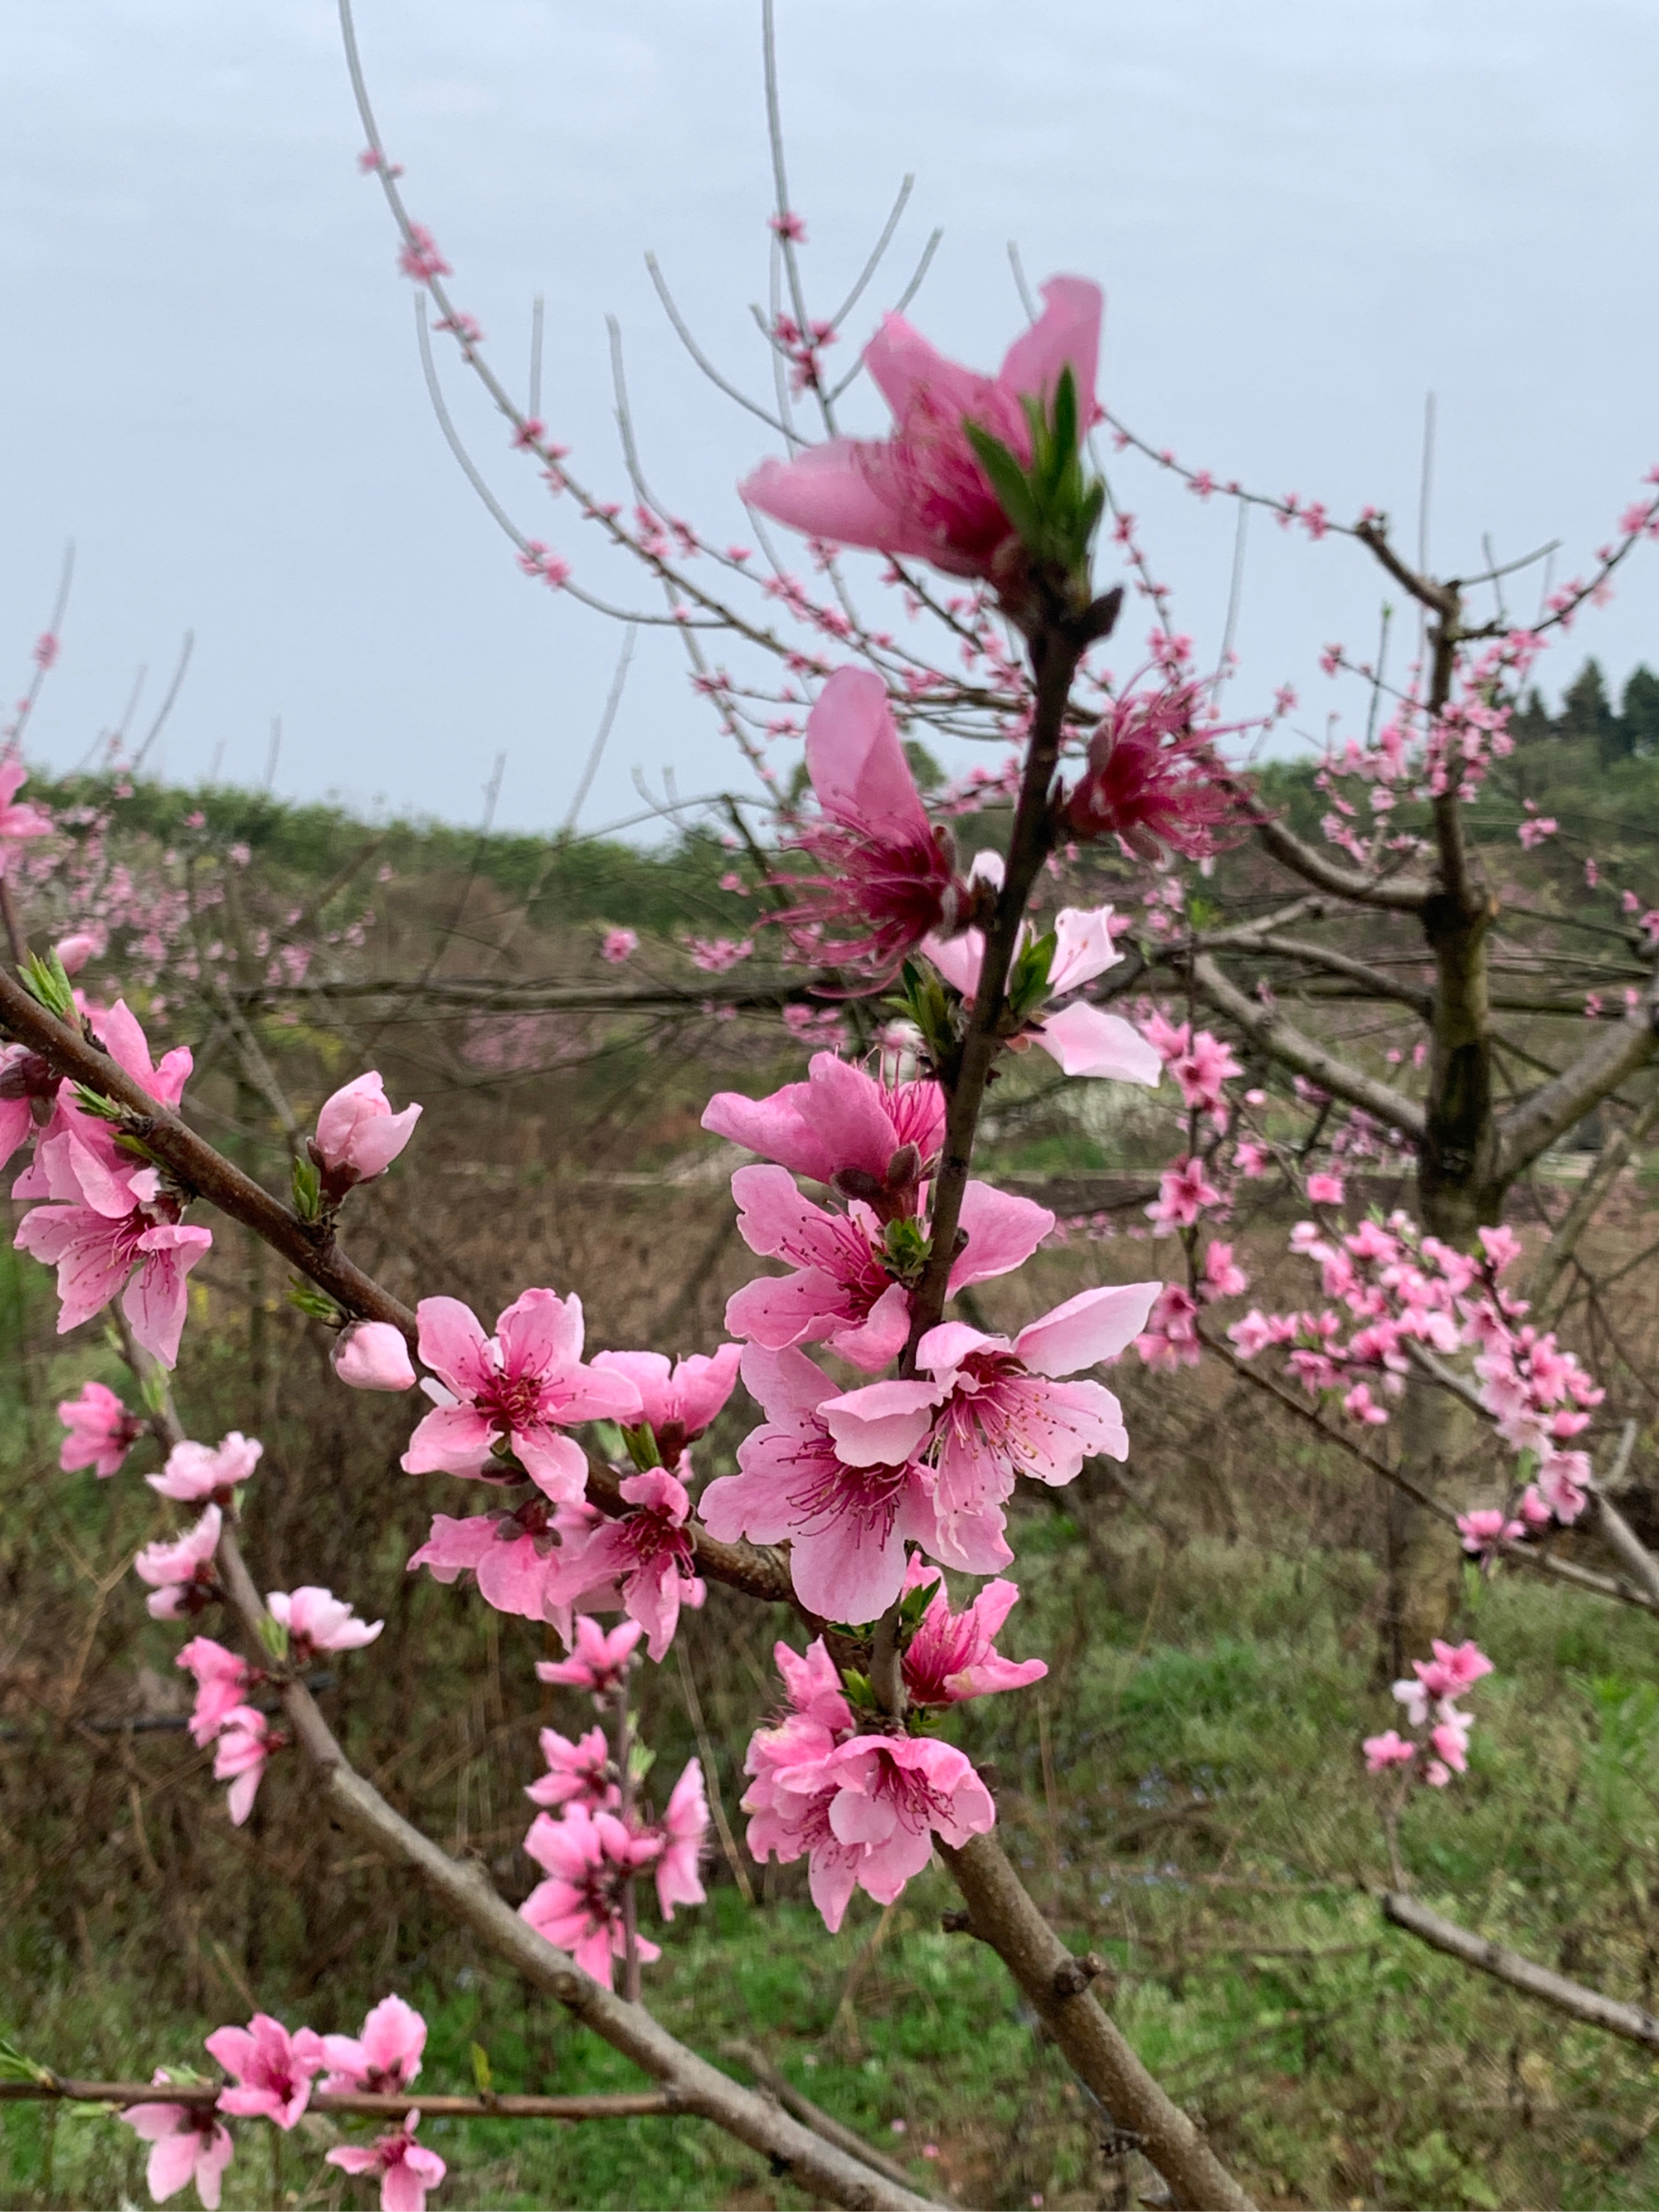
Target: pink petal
pixel 1096 1325
pixel 825 493
pixel 450 1440
pixel 1068 330
pixel 1003 1232
pixel 452 1344
pixel 855 761
pixel 881 1336
pixel 1087 1041
pixel 881 1425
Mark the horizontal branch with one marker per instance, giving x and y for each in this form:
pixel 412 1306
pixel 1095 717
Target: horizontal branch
pixel 1399 894
pixel 1280 1042
pixel 628 2104
pixel 1628 2020
pixel 1618 1147
pixel 763 992
pixel 1377 982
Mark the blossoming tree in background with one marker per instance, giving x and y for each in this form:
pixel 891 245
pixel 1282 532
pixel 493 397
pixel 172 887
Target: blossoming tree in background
pixel 893 1431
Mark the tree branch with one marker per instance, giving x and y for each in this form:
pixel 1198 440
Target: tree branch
pixel 1616 1053
pixel 1399 894
pixel 1280 1042
pixel 1590 2006
pixel 1377 984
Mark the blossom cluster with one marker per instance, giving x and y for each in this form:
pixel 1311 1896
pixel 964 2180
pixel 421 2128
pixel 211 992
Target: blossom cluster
pixel 1430 1695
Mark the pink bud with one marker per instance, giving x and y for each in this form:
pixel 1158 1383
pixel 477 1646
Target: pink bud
pixel 358 1135
pixel 372 1355
pixel 75 951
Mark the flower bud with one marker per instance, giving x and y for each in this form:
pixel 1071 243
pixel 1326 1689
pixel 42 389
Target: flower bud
pixel 372 1355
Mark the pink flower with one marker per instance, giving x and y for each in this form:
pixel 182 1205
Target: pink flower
pixel 846 1523
pixel 1325 1190
pixel 188 2143
pixel 599 1661
pixel 419 257
pixel 1453 1669
pixel 993 1411
pixel 1485 1527
pixel 384 2059
pixel 272 2069
pixel 1184 1192
pixel 1223 1279
pixel 316 1621
pixel 517 1389
pixel 1082 1038
pixel 123 1037
pixel 845 1287
pixel 407 2169
pixel 74 951
pixel 1390 1749
pixel 578 1773
pixel 683 1828
pixel 1201 1064
pixel 677 1405
pixel 1501 1246
pixel 221 1684
pixel 1171 1339
pixel 619 945
pixel 110 1222
pixel 372 1355
pixel 1152 780
pixel 358 1135
pixel 589 1856
pixel 515 1556
pixel 17 822
pixel 922 491
pixel 244 1742
pixel 28 1089
pixel 953 1656
pixel 195 1472
pixel 646 1553
pixel 99 1431
pixel 886 876
pixel 840 1122
pixel 892 1794
pixel 180 1573
pixel 1533 832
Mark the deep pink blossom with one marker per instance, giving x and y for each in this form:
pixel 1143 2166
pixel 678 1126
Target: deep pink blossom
pixel 98 1431
pixel 28 1091
pixel 1325 1190
pixel 244 1744
pixel 120 1033
pixel 953 1656
pixel 647 1554
pixel 842 1288
pixel 194 1473
pixel 1387 1750
pixel 599 1661
pixel 1154 780
pixel 883 876
pixel 180 1574
pixel 1200 1062
pixel 514 1557
pixel 272 2070
pixel 685 1829
pixel 372 1355
pixel 358 1135
pixel 1184 1192
pixel 922 491
pixel 846 1524
pixel 588 1857
pixel 842 1122
pixel 677 1403
pixel 619 945
pixel 316 1620
pixel 384 2059
pixel 995 1410
pixel 579 1773
pixel 407 2169
pixel 108 1222
pixel 188 2142
pixel 221 1685
pixel 519 1388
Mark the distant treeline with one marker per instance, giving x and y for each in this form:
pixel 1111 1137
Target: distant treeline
pixel 1630 731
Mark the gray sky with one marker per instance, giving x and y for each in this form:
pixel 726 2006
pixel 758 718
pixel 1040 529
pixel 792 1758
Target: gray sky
pixel 1306 213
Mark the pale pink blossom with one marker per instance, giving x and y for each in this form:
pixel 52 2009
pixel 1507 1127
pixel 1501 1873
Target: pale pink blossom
pixel 317 1620
pixel 244 1744
pixel 684 1829
pixel 17 822
pixel 272 2070
pixel 588 1857
pixel 579 1773
pixel 196 1472
pixel 419 257
pixel 646 1554
pixel 180 1574
pixel 514 1557
pixel 884 875
pixel 188 2142
pixel 517 1389
pixel 98 1431
pixel 221 1685
pixel 108 1222
pixel 1485 1527
pixel 993 1411
pixel 120 1033
pixel 842 1122
pixel 385 2058
pixel 619 945
pixel 1453 1669
pixel 951 1657
pixel 372 1355
pixel 28 1091
pixel 842 1288
pixel 1222 1277
pixel 599 1661
pixel 407 2169
pixel 75 950
pixel 680 1402
pixel 1083 1040
pixel 922 491
pixel 358 1135
pixel 1387 1750
pixel 847 1522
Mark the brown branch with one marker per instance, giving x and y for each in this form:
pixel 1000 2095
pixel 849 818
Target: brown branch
pixel 1628 2020
pixel 1618 1147
pixel 1398 894
pixel 1616 1053
pixel 778 2085
pixel 628 2104
pixel 1276 1037
pixel 760 991
pixel 1376 983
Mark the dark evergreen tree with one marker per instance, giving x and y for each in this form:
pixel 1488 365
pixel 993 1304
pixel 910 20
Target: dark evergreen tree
pixel 1530 723
pixel 1587 712
pixel 1640 712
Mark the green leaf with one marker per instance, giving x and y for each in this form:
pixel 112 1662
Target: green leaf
pixel 1008 480
pixel 481 2073
pixel 309 1299
pixel 273 1636
pixel 308 1189
pixel 641 1445
pixel 46 980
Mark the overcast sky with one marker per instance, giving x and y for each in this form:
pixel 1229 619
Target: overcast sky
pixel 1307 215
